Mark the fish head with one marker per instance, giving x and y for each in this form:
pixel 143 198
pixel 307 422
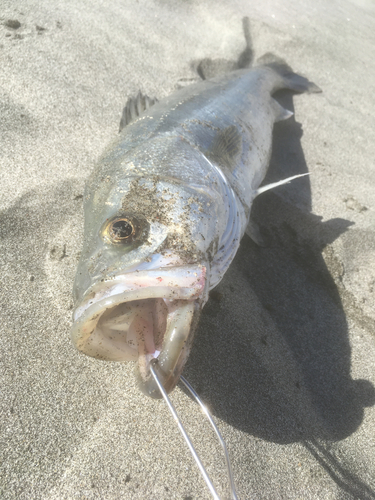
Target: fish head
pixel 142 276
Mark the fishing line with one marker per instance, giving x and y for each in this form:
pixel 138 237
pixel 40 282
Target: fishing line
pixel 187 439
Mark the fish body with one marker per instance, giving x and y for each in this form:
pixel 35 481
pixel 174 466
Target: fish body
pixel 165 209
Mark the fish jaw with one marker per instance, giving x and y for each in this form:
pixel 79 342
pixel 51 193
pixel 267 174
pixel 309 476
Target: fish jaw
pixel 181 325
pixel 142 315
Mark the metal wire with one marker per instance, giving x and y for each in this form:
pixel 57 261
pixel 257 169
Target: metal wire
pixel 187 439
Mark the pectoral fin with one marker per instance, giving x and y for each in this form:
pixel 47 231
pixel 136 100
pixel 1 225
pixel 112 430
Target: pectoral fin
pixel 226 147
pixel 267 187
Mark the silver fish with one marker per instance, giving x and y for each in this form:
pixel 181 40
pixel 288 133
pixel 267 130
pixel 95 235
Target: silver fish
pixel 165 209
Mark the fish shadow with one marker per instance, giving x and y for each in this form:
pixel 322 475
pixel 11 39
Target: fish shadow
pixel 272 355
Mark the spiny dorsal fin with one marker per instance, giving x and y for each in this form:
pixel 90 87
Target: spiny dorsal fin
pixel 226 147
pixel 276 184
pixel 134 108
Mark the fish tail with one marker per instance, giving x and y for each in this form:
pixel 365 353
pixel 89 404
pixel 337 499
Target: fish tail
pixel 289 79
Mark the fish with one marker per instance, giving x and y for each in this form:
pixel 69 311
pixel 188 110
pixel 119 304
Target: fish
pixel 165 209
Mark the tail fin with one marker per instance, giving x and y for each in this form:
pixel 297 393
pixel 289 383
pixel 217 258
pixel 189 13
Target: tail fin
pixel 290 79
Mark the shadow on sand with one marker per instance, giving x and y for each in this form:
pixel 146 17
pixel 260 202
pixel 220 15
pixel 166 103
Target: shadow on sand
pixel 272 354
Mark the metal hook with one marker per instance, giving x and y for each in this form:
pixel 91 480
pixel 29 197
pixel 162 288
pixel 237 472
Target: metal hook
pixel 187 439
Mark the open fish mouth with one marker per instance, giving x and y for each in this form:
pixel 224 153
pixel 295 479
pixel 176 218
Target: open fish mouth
pixel 139 316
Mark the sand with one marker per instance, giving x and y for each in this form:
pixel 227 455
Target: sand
pixel 284 355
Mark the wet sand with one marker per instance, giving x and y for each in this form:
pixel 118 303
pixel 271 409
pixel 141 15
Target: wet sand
pixel 284 354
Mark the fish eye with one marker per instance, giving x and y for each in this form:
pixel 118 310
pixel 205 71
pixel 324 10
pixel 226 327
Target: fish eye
pixel 121 230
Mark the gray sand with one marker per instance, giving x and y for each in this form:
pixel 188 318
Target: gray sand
pixel 285 351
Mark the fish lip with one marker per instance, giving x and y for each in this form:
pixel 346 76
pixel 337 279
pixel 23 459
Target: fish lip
pixel 177 285
pixel 184 282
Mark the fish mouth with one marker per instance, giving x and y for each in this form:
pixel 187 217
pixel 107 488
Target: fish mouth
pixel 139 316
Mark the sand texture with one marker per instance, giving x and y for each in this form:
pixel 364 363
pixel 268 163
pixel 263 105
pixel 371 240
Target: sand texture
pixel 285 351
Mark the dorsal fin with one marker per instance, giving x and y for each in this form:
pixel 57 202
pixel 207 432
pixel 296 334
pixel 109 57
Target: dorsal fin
pixel 226 147
pixel 209 68
pixel 134 108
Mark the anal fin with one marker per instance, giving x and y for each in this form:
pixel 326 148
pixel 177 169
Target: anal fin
pixel 253 231
pixel 134 107
pixel 280 112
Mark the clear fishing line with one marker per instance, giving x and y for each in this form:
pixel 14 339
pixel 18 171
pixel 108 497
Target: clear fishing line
pixel 187 439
